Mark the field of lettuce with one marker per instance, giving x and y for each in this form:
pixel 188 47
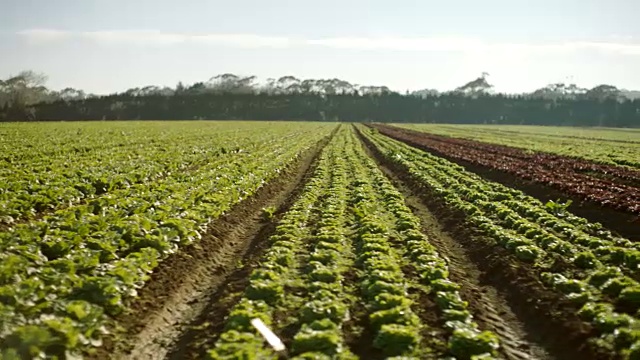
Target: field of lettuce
pixel 167 240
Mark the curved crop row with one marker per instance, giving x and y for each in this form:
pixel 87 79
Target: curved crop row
pixel 311 297
pixel 61 276
pixel 267 283
pixel 326 306
pixel 608 297
pixel 396 327
pixel 465 339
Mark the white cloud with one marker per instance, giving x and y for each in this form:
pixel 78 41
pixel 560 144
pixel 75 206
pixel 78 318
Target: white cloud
pixel 471 45
pixel 617 45
pixel 157 38
pixel 399 43
pixel 150 37
pixel 244 40
pixel 44 35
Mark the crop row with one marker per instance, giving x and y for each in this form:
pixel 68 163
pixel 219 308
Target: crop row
pixel 267 283
pixel 465 339
pixel 61 276
pixel 325 309
pixel 318 266
pixel 590 266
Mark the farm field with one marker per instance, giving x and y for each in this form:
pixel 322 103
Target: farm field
pixel 164 240
pixel 611 190
pixel 613 146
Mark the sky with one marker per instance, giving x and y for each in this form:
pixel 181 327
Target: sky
pixel 105 46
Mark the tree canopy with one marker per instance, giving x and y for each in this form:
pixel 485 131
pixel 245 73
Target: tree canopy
pixel 234 97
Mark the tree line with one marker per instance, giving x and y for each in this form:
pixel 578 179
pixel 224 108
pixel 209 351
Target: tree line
pixel 229 97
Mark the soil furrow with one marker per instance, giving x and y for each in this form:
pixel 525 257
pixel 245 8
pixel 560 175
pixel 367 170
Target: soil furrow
pixel 505 296
pixel 191 289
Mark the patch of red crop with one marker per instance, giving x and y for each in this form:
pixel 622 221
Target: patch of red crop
pixel 611 186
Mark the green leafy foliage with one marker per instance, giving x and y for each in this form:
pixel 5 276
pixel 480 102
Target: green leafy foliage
pixel 587 264
pixel 467 342
pixel 396 339
pixel 82 230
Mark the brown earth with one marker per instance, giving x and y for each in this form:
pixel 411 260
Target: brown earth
pixel 504 294
pixel 600 193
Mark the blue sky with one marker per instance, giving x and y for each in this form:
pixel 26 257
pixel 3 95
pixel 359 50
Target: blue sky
pixel 111 45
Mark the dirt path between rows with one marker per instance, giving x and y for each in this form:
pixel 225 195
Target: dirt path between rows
pixel 186 284
pixel 504 296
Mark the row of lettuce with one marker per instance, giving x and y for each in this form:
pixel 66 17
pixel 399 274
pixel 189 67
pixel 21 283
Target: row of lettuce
pixel 44 172
pixel 345 243
pixel 588 264
pixel 63 275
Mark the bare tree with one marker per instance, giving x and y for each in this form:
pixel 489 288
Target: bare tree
pixel 19 92
pixel 477 86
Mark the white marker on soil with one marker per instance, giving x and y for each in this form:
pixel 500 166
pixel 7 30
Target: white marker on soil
pixel 271 338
